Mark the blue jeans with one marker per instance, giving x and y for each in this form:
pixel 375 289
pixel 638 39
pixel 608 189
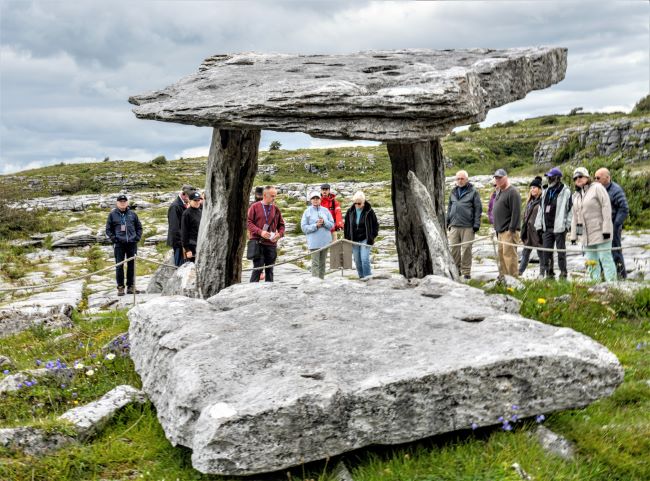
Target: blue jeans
pixel 604 258
pixel 361 257
pixel 178 256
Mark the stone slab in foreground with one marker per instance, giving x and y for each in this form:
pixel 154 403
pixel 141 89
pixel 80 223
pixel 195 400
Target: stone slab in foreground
pixel 264 377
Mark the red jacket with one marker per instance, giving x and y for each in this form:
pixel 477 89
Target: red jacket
pixel 256 221
pixel 334 207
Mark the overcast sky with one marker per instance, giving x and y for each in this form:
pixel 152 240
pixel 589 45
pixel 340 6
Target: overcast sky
pixel 68 67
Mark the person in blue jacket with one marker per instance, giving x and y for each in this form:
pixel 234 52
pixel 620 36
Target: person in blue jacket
pixel 620 211
pixel 124 230
pixel 316 223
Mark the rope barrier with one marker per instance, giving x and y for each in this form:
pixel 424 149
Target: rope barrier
pixel 491 238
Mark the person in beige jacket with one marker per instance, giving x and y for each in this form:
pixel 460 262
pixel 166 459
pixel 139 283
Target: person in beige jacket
pixel 592 223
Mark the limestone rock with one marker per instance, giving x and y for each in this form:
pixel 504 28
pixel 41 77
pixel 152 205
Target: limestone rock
pixel 51 310
pixel 406 95
pixel 162 275
pixel 261 377
pixel 182 282
pixel 80 237
pixel 90 418
pixel 554 443
pixel 629 136
pixel 507 281
pixel 33 441
pixel 14 382
pixel 6 362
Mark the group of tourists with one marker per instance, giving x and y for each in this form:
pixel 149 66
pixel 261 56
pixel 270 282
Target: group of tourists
pixel 592 215
pixel 321 222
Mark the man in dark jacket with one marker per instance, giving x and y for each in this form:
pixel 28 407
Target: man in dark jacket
pixel 190 222
pixel 361 226
pixel 507 222
pixel 174 214
pixel 620 211
pixel 463 221
pixel 125 231
pixel 266 226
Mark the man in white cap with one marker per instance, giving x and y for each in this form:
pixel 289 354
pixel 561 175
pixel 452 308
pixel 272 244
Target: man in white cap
pixel 316 223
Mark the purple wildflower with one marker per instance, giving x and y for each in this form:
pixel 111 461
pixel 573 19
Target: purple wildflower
pixel 500 419
pixel 38 362
pixel 474 426
pixel 20 385
pixel 49 365
pixel 515 407
pixel 514 418
pixel 81 345
pixel 540 418
pixel 28 384
pixel 74 394
pixel 62 386
pixel 93 355
pixel 506 426
pixel 5 372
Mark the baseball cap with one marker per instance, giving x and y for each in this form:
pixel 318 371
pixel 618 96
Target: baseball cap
pixel 314 194
pixel 580 171
pixel 554 172
pixel 195 195
pixel 500 173
pixel 325 186
pixel 188 189
pixel 122 197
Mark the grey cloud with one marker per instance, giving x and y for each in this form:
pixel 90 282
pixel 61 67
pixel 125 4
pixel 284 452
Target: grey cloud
pixel 68 67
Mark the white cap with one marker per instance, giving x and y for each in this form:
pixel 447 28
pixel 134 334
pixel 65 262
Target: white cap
pixel 313 194
pixel 580 171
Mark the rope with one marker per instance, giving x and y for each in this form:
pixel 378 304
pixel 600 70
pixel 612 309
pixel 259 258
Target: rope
pixel 310 253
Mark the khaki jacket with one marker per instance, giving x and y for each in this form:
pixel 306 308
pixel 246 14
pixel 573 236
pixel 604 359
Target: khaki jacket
pixel 592 209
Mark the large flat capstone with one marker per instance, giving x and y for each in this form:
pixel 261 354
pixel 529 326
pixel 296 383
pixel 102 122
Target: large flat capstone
pixel 401 95
pixel 263 377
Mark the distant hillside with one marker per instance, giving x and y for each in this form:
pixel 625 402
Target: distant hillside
pixel 527 146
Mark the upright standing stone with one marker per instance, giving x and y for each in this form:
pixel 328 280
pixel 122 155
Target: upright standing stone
pixel 232 164
pixel 425 160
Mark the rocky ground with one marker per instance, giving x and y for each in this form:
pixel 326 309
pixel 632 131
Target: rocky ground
pixel 65 254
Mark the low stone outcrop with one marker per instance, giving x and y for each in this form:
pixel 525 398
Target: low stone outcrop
pixel 14 382
pixel 262 377
pixel 554 443
pixel 162 275
pixel 182 282
pixel 629 136
pixel 90 418
pixel 51 310
pixel 33 441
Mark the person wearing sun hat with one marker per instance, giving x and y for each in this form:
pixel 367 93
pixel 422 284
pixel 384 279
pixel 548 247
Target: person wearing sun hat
pixel 316 223
pixel 592 225
pixel 554 221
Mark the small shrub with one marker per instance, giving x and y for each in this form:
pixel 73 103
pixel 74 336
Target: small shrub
pixel 275 145
pixel 474 128
pixel 549 121
pixel 268 178
pixel 642 106
pixel 160 160
pixel 509 123
pixel 107 159
pixel 575 111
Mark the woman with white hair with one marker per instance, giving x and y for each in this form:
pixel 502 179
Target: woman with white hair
pixel 316 223
pixel 592 223
pixel 361 226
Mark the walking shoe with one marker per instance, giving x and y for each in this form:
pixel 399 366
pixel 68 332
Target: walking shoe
pixel 120 290
pixel 467 277
pixel 130 290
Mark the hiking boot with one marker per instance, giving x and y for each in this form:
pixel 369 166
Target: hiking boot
pixel 130 290
pixel 120 290
pixel 467 277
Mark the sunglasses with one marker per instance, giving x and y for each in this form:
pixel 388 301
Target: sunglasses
pixel 358 203
pixel 497 177
pixel 579 177
pixel 597 178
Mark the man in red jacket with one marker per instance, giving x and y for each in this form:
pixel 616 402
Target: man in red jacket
pixel 266 225
pixel 328 200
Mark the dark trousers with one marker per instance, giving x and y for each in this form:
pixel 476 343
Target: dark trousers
pixel 269 254
pixel 178 256
pixel 618 254
pixel 124 251
pixel 552 240
pixel 525 257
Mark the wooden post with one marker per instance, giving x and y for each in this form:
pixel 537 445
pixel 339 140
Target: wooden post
pixel 232 164
pixel 425 160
